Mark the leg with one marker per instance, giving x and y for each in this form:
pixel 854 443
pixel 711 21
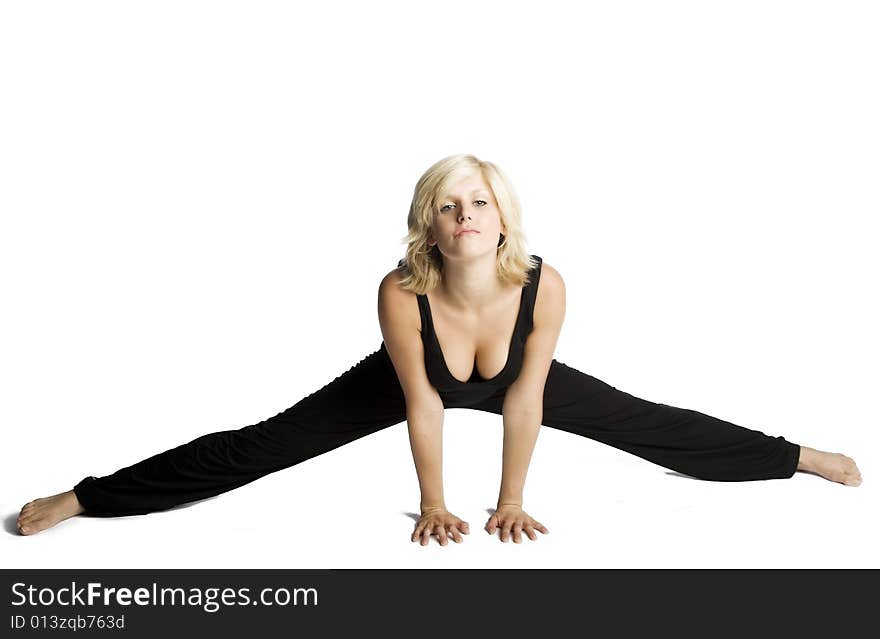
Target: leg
pixel 361 401
pixel 681 439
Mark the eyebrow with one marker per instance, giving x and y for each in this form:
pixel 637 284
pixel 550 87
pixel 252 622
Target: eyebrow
pixel 474 192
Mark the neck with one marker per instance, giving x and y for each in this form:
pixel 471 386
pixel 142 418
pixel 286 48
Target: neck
pixel 471 284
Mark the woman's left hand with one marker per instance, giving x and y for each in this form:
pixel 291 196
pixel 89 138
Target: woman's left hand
pixel 511 518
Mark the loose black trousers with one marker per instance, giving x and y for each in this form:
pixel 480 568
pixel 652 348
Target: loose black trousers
pixel 368 398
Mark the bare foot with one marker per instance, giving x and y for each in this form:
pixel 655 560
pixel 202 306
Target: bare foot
pixel 831 466
pixel 45 512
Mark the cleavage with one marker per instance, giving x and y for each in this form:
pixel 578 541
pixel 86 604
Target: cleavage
pixel 474 345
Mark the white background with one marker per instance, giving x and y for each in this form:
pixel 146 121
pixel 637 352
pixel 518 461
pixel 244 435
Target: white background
pixel 199 200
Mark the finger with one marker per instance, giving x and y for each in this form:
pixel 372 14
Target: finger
pixel 420 530
pixel 505 531
pixel 492 524
pixel 426 535
pixel 517 533
pixel 530 532
pixel 456 534
pixel 442 535
pixel 464 527
pixel 541 527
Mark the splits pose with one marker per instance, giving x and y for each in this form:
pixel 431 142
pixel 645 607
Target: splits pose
pixel 464 213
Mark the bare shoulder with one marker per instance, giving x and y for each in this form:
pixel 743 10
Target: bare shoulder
pixel 550 300
pixel 550 280
pixel 396 300
pixel 390 284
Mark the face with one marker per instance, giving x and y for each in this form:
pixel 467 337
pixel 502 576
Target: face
pixel 469 205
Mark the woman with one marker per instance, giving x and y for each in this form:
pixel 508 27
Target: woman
pixel 469 319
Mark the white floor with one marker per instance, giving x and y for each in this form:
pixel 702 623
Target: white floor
pixel 354 508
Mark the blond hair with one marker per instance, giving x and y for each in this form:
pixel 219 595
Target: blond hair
pixel 422 267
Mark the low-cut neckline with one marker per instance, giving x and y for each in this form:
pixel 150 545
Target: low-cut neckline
pixel 475 371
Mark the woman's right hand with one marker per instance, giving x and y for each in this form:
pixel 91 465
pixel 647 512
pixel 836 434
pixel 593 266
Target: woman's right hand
pixel 440 522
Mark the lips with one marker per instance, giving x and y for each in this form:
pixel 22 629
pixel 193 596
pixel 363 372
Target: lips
pixel 466 231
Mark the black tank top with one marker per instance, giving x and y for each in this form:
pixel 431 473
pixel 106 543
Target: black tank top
pixel 456 393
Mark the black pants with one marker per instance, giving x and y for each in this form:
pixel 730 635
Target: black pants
pixel 368 398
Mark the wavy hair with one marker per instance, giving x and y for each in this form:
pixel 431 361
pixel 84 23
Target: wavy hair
pixel 423 267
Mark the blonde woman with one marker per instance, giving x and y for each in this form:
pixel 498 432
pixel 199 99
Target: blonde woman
pixel 469 319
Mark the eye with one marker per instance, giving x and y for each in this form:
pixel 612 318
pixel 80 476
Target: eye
pixel 443 208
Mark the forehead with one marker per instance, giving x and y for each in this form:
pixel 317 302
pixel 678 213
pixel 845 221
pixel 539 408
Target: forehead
pixel 467 187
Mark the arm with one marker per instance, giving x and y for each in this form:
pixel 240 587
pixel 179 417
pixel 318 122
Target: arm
pixel 523 407
pixel 400 323
pixel 426 442
pixel 401 328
